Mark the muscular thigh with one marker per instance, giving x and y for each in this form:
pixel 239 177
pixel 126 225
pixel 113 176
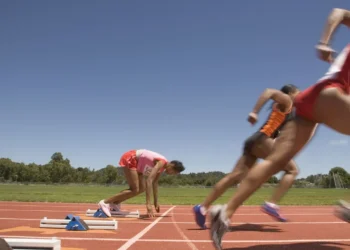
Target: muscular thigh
pixel 142 183
pixel 332 108
pixel 132 178
pixel 293 137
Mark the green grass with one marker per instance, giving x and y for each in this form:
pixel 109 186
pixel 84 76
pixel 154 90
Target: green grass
pixel 174 196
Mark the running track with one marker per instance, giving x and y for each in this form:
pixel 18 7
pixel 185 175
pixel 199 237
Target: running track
pixel 309 228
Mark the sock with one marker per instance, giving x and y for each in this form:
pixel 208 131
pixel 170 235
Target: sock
pixel 272 205
pixel 223 216
pixel 203 210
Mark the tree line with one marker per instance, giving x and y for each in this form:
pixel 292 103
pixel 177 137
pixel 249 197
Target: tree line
pixel 59 171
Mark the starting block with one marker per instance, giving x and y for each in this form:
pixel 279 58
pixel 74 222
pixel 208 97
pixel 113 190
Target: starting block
pixel 74 223
pixel 100 214
pixel 23 243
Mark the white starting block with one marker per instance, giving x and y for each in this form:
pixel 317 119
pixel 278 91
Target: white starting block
pixel 76 224
pixel 99 213
pixel 39 244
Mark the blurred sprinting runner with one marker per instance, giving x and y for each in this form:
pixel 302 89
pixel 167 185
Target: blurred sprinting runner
pixel 259 146
pixel 325 102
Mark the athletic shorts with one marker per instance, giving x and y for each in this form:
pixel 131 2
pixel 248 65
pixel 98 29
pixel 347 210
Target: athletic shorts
pixel 338 76
pixel 129 159
pixel 252 140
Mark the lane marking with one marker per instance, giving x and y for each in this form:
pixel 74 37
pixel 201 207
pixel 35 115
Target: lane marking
pixel 259 214
pixel 143 211
pixel 52 205
pixel 185 241
pixel 189 243
pixel 131 241
pixel 179 207
pixel 39 203
pixel 189 222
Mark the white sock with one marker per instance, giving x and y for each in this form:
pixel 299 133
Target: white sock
pixel 272 205
pixel 203 210
pixel 223 216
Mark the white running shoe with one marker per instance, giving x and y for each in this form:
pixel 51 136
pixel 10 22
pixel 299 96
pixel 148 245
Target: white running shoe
pixel 219 225
pixel 105 208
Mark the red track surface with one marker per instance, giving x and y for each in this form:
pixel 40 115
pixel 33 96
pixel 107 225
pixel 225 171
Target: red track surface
pixel 309 228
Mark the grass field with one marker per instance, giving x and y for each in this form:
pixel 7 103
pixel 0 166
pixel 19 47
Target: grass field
pixel 173 196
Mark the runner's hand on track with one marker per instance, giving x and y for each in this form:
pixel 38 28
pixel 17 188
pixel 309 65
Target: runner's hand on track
pixel 325 52
pixel 150 211
pixel 156 206
pixel 252 118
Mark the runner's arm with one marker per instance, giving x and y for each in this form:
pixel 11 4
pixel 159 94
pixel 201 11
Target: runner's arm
pixel 150 180
pixel 155 189
pixel 275 95
pixel 335 18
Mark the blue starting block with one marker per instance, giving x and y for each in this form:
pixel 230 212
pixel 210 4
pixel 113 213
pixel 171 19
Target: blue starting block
pixel 99 213
pixel 69 216
pixel 76 224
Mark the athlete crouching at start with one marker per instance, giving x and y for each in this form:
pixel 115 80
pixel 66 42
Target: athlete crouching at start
pixel 142 169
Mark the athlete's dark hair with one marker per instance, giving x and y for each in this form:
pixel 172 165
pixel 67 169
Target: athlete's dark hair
pixel 289 88
pixel 178 166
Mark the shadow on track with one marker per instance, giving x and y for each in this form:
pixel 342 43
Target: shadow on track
pixel 295 246
pixel 250 227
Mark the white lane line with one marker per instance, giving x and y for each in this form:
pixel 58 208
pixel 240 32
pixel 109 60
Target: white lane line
pixel 142 211
pixel 185 241
pixel 260 214
pixel 189 243
pixel 189 222
pixel 131 241
pixel 178 207
pixel 5 204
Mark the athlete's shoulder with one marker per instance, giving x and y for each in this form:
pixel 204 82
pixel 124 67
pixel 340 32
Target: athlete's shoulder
pixel 277 108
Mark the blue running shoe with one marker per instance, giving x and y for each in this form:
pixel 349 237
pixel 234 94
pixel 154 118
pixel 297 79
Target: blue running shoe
pixel 272 211
pixel 200 218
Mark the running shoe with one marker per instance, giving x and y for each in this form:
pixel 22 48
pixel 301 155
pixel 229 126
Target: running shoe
pixel 218 225
pixel 105 208
pixel 200 217
pixel 272 210
pixel 115 207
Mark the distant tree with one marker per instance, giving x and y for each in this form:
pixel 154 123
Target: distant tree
pixel 59 170
pixel 342 173
pixel 57 157
pixel 273 180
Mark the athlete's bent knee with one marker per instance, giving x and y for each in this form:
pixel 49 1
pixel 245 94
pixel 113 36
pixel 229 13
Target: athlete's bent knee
pixel 135 190
pixel 237 176
pixel 292 169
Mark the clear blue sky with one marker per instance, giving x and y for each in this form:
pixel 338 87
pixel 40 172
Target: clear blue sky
pixel 93 79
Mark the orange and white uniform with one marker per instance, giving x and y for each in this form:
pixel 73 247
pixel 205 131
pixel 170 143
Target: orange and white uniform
pixel 275 122
pixel 270 129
